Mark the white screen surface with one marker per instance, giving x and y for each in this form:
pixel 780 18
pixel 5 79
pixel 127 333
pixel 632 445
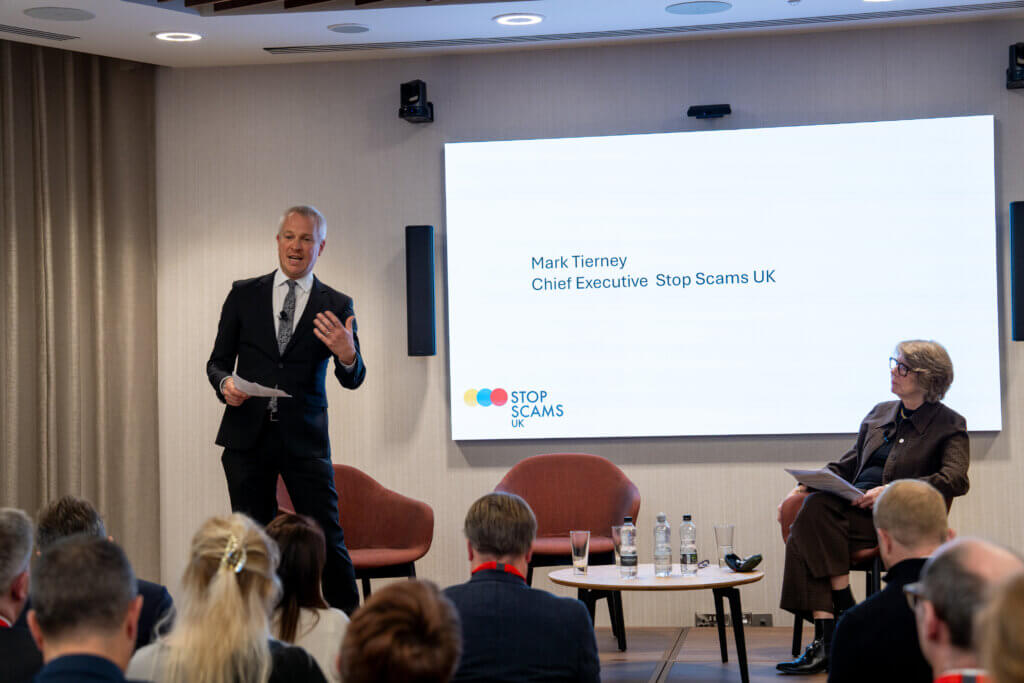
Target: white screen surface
pixel 743 282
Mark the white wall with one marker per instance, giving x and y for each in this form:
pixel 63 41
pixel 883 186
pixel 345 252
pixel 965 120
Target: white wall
pixel 237 145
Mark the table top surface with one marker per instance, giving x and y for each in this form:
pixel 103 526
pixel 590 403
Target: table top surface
pixel 606 577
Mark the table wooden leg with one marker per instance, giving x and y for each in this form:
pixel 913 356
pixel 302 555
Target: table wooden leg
pixel 720 619
pixel 737 627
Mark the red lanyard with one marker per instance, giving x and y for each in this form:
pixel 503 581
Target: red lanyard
pixel 501 567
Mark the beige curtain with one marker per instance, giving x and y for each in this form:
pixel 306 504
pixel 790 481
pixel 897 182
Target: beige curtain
pixel 78 331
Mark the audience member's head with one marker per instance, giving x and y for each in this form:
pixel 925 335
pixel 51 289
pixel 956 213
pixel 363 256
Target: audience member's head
pixel 955 584
pixel 406 632
pixel 221 631
pixel 65 517
pixel 500 526
pixel 303 553
pixel 1000 632
pixel 84 600
pixel 910 518
pixel 15 553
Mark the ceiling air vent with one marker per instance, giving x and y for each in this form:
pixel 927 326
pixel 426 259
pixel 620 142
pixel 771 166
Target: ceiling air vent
pixel 33 33
pixel 638 32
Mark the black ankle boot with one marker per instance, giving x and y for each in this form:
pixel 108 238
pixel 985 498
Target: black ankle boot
pixel 842 600
pixel 814 660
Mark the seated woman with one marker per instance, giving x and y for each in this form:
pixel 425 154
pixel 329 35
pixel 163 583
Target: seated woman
pixel 302 616
pixel 916 437
pixel 221 633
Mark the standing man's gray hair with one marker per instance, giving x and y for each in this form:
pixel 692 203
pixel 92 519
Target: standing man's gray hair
pixel 310 212
pixel 15 545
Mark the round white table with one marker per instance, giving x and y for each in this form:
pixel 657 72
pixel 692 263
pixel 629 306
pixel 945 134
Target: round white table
pixel 604 581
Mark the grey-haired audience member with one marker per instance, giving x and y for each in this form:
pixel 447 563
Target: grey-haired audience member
pixel 955 585
pixel 19 658
pixel 85 610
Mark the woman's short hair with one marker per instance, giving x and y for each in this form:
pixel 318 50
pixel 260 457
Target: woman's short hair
pixel 500 524
pixel 303 553
pixel 221 632
pixel 931 365
pixel 1001 637
pixel 406 632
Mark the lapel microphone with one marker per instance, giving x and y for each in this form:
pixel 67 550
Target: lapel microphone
pixel 283 316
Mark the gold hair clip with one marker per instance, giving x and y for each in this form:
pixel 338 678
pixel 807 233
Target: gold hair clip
pixel 234 556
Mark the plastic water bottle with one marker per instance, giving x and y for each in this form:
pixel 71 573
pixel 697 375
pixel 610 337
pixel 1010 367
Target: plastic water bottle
pixel 662 546
pixel 688 547
pixel 627 550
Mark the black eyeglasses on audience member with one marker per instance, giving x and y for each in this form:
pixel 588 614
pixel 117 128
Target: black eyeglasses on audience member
pixel 902 369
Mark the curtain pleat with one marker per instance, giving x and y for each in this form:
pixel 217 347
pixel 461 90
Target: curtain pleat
pixel 78 229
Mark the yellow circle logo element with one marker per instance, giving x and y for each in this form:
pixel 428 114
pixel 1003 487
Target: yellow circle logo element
pixel 470 397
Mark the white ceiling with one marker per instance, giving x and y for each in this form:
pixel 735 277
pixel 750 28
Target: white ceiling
pixel 124 28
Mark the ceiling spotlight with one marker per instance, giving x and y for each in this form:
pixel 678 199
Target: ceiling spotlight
pixel 59 14
pixel 177 36
pixel 518 19
pixel 348 28
pixel 699 7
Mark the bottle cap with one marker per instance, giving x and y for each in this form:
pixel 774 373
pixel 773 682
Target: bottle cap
pixel 627 520
pixel 661 517
pixel 686 518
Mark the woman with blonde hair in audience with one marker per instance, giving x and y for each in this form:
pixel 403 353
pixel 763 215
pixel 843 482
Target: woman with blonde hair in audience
pixel 1001 631
pixel 302 616
pixel 221 633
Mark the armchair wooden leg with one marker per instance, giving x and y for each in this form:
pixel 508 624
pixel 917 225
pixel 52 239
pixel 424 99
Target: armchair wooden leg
pixel 366 588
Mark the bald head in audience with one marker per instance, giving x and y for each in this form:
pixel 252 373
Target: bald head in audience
pixel 910 520
pixel 955 585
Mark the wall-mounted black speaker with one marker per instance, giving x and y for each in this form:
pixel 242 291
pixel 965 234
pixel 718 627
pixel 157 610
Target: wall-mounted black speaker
pixel 419 289
pixel 1017 269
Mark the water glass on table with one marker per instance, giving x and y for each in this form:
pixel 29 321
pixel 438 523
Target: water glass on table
pixel 580 542
pixel 616 542
pixel 724 538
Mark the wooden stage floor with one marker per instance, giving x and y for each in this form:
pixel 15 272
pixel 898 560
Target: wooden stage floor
pixel 691 654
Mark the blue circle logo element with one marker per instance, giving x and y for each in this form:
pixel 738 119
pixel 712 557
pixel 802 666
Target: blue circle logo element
pixel 483 397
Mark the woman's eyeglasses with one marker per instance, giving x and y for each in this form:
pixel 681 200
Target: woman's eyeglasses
pixel 902 369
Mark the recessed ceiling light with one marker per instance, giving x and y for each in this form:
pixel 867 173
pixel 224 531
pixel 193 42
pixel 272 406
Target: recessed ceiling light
pixel 699 7
pixel 518 19
pixel 177 36
pixel 348 28
pixel 60 14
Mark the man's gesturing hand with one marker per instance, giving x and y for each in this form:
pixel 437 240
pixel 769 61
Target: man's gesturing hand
pixel 232 396
pixel 340 339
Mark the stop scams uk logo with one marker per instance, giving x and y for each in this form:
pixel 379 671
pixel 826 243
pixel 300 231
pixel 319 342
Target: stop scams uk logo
pixel 485 397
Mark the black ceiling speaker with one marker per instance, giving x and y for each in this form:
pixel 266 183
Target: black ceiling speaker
pixel 709 111
pixel 1015 72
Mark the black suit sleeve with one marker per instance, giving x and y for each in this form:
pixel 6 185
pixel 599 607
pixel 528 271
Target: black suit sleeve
pixel 350 379
pixel 589 668
pixel 225 347
pixel 847 655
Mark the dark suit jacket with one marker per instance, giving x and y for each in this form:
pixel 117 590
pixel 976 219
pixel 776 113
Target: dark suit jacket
pixel 511 632
pixel 80 669
pixel 19 657
pixel 246 334
pixel 931 445
pixel 877 639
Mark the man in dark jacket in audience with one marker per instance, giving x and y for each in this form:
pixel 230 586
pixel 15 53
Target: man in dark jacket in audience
pixel 511 632
pixel 877 639
pixel 19 658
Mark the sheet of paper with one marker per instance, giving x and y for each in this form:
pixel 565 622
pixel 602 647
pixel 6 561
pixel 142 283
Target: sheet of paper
pixel 827 480
pixel 254 389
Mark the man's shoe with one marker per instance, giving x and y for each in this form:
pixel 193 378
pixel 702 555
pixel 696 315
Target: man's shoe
pixel 814 660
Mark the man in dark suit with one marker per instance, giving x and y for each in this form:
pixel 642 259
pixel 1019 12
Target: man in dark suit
pixel 281 330
pixel 19 658
pixel 877 639
pixel 85 611
pixel 511 632
pixel 68 516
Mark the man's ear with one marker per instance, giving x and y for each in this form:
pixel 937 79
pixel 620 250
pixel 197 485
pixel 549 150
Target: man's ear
pixel 469 550
pixel 37 633
pixel 323 243
pixel 950 534
pixel 529 555
pixel 131 619
pixel 19 587
pixel 933 626
pixel 884 540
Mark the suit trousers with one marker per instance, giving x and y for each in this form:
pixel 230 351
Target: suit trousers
pixel 825 533
pixel 252 485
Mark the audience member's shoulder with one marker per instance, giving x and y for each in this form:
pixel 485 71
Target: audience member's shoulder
pixel 292 663
pixel 20 659
pixel 155 592
pixel 145 662
pixel 247 283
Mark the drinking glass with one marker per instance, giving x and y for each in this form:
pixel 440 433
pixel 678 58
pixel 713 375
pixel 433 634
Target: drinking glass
pixel 616 542
pixel 723 538
pixel 580 542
